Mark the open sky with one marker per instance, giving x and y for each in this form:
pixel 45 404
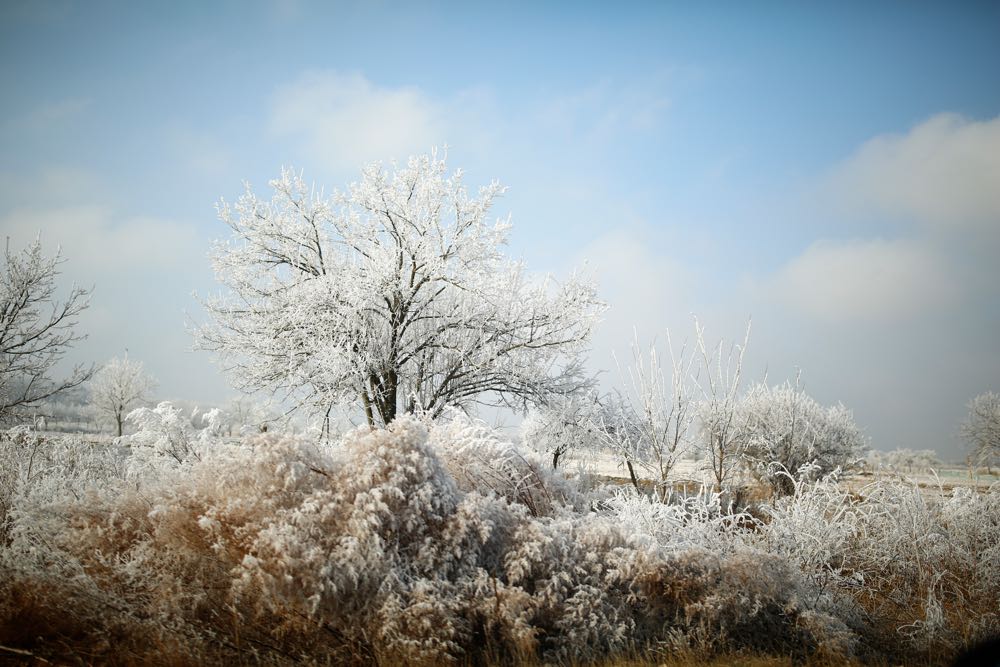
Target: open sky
pixel 832 172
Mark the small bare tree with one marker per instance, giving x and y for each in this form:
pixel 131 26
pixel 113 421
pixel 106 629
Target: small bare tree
pixel 119 387
pixel 722 425
pixel 982 429
pixel 242 414
pixel 659 408
pixel 788 432
pixel 563 425
pixel 617 423
pixel 36 330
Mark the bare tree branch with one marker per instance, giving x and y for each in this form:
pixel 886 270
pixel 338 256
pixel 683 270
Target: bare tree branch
pixel 36 330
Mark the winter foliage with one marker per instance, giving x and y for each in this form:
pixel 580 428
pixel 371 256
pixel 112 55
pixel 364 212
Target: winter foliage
pixel 393 296
pixel 982 429
pixel 567 424
pixel 119 386
pixel 438 541
pixel 426 537
pixel 37 328
pixel 787 431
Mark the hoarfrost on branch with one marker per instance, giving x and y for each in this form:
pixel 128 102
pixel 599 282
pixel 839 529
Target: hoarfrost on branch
pixel 393 296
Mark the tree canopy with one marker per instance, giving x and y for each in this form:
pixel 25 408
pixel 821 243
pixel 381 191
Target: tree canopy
pixel 391 295
pixel 37 328
pixel 122 384
pixel 982 428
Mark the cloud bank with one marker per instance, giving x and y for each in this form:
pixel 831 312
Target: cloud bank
pixel 943 174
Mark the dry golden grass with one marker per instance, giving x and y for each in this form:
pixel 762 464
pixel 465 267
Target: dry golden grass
pixel 192 572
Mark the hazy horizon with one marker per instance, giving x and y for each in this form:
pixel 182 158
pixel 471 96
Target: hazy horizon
pixel 831 172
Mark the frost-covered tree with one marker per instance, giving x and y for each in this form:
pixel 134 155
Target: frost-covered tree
pixel 982 428
pixel 663 401
pixel 392 296
pixel 721 424
pixel 786 429
pixel 564 424
pixel 904 459
pixel 36 329
pixel 242 414
pixel 119 387
pixel 656 415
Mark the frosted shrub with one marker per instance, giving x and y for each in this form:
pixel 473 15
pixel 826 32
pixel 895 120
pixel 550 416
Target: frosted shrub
pixel 923 566
pixel 479 459
pixel 981 429
pixel 164 437
pixel 788 431
pixel 929 563
pixel 814 530
pixel 36 468
pixel 700 521
pixel 566 426
pixel 374 551
pixel 736 591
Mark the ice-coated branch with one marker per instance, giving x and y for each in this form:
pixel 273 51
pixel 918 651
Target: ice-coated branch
pixel 392 296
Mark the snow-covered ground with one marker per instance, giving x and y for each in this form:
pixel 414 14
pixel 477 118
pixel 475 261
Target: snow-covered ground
pixel 944 478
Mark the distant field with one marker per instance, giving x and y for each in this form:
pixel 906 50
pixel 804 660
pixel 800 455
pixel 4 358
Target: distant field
pixel 945 478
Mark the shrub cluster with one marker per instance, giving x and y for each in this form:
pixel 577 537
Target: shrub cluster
pixel 438 542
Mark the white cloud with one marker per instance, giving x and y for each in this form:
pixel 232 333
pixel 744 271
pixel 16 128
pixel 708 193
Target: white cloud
pixel 47 115
pixel 344 121
pixel 866 281
pixel 66 108
pixel 944 172
pixel 96 242
pixel 201 152
pixel 604 110
pixel 647 293
pixel 55 185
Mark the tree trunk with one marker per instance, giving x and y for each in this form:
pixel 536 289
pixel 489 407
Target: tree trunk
pixel 631 474
pixel 719 468
pixel 391 388
pixel 118 422
pixel 326 424
pixel 555 459
pixel 384 390
pixel 368 408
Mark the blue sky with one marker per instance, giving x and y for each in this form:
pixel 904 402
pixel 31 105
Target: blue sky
pixel 832 172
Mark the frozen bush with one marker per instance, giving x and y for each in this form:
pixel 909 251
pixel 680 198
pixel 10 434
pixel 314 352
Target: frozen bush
pixel 912 574
pixel 787 431
pixel 165 438
pixel 982 429
pixel 565 426
pixel 374 551
pixel 725 556
pixel 478 459
pixel 36 468
pixel 929 563
pixel 699 521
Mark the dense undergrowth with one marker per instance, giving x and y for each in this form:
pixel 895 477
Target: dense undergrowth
pixel 435 543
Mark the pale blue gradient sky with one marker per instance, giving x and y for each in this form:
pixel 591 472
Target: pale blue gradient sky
pixel 832 171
